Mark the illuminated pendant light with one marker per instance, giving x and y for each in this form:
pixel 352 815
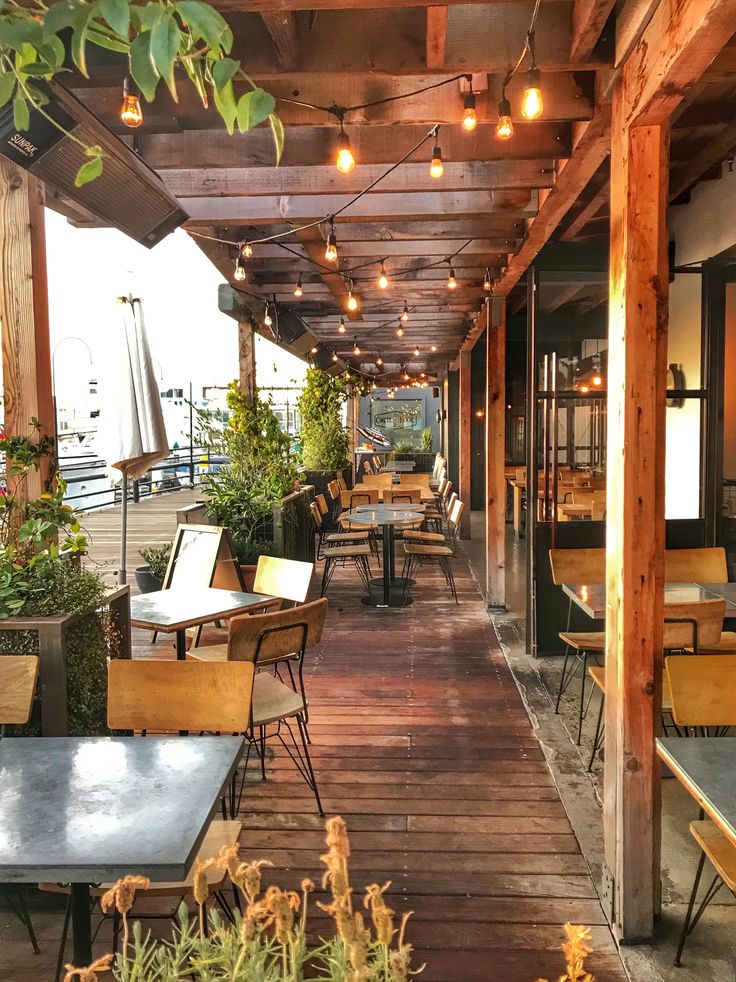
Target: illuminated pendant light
pixel 383 279
pixel 239 273
pixel 399 331
pixel 434 347
pixel 451 281
pixel 345 160
pixel 298 291
pixel 379 360
pixel 487 281
pixel 334 355
pixel 390 393
pixel 597 380
pixel 470 120
pixel 247 250
pixel 405 313
pixel 331 250
pixel 405 376
pixel 267 321
pixel 341 326
pixel 130 112
pixel 416 351
pixel 356 347
pixel 315 349
pixel 531 101
pixel 436 168
pixel 504 127
pixel 352 299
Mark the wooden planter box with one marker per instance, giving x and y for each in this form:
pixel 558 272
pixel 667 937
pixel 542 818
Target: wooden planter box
pixel 52 634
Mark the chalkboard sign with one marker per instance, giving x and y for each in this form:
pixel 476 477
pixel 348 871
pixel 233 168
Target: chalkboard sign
pixel 203 556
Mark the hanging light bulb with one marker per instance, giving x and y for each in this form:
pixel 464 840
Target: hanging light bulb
pixel 331 250
pixel 239 273
pixel 356 347
pixel 390 393
pixel 436 168
pixel 584 389
pixel 246 250
pixel 130 112
pixel 267 321
pixel 315 349
pixel 434 347
pixel 597 380
pixel 487 281
pixel 341 326
pixel 373 387
pixel 334 355
pixel 470 120
pixel 298 291
pixel 531 101
pixel 352 299
pixel 451 281
pixel 399 331
pixel 405 376
pixel 379 360
pixel 504 127
pixel 416 351
pixel 345 160
pixel 383 279
pixel 405 313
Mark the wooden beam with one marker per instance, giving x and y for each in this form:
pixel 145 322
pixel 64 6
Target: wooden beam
pixel 588 212
pixel 496 454
pixel 259 6
pixel 631 22
pixel 24 312
pixel 590 149
pixel 588 20
pixel 436 36
pixel 637 365
pixel 681 41
pixel 464 447
pixel 281 27
pixel 314 245
pixel 415 248
pixel 713 152
pixel 255 181
pixel 247 357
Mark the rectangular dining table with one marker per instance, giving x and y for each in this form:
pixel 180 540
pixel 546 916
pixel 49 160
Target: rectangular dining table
pixel 591 598
pixel 707 770
pixel 89 810
pixel 175 610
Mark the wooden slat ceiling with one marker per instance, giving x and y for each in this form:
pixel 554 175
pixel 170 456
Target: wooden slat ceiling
pixel 497 203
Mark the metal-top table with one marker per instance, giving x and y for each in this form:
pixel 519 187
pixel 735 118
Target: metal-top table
pixel 177 609
pixel 90 810
pixel 394 592
pixel 707 770
pixel 399 466
pixel 591 598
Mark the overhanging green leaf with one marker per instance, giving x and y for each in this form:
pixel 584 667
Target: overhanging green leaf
pixel 226 106
pixel 19 31
pixel 277 128
pixel 80 26
pixel 59 15
pixel 88 171
pixel 7 84
pixel 142 68
pixel 224 71
pixel 21 113
pixel 165 41
pixel 205 22
pixel 117 15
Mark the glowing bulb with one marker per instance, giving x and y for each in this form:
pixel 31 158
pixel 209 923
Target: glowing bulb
pixel 479 413
pixel 341 326
pixel 130 112
pixel 315 349
pixel 434 347
pixel 435 168
pixel 352 301
pixel 451 281
pixel 584 389
pixel 267 319
pixel 597 380
pixel 470 120
pixel 334 356
pixel 416 352
pixel 390 393
pixel 504 127
pixel 356 348
pixel 487 282
pixel 405 376
pixel 531 102
pixel 239 270
pixel 298 291
pixel 247 250
pixel 331 250
pixel 379 360
pixel 383 279
pixel 399 331
pixel 373 386
pixel 345 160
pixel 405 314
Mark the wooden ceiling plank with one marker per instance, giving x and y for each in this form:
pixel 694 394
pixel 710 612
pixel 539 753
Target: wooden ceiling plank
pixel 236 6
pixel 282 29
pixel 588 20
pixel 587 213
pixel 712 152
pixel 436 36
pixel 631 22
pixel 313 244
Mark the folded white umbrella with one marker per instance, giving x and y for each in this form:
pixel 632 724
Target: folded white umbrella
pixel 132 436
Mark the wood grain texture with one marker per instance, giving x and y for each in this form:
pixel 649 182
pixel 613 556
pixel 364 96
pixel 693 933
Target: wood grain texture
pixel 495 453
pixel 588 20
pixel 246 357
pixel 436 36
pixel 464 445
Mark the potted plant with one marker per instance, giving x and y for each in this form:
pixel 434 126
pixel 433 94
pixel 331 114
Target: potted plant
pixel 425 440
pixel 324 441
pixel 151 576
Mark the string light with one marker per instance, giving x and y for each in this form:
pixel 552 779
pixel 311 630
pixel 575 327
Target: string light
pixel 405 376
pixel 352 299
pixel 434 347
pixel 356 347
pixel 334 355
pixel 487 281
pixel 531 101
pixel 383 279
pixel 379 360
pixel 390 393
pixel 341 326
pixel 597 380
pixel 416 351
pixel 451 281
pixel 345 160
pixel 331 250
pixel 247 250
pixel 373 387
pixel 131 112
pixel 399 331
pixel 267 321
pixel 315 349
pixel 405 313
pixel 504 127
pixel 239 269
pixel 470 120
pixel 298 291
pixel 436 168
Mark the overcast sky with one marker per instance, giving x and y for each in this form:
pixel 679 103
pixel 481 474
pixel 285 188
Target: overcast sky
pixel 190 340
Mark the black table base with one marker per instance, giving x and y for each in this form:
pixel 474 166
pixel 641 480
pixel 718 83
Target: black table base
pixel 81 924
pixel 397 597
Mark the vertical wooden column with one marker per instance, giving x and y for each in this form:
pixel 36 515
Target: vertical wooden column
pixel 464 449
pixel 247 357
pixel 635 518
pixel 24 310
pixel 495 453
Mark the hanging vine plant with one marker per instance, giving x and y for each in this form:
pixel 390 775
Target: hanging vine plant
pixel 165 41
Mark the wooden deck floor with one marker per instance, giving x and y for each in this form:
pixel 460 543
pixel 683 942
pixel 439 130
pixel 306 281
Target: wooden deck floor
pixel 422 743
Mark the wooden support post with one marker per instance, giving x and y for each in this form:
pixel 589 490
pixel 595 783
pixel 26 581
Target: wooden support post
pixel 464 449
pixel 247 358
pixel 24 311
pixel 495 453
pixel 637 367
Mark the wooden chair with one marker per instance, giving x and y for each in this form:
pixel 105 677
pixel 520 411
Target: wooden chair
pixel 333 489
pixel 453 524
pixel 322 504
pixel 598 510
pixel 368 467
pixel 707 565
pixel 356 554
pixel 18 678
pixel 334 538
pixel 416 480
pixel 377 480
pixel 404 493
pixel 287 579
pixel 431 552
pixel 359 496
pixel 341 483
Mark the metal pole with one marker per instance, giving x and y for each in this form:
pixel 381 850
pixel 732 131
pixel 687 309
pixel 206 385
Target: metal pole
pixel 122 572
pixel 191 438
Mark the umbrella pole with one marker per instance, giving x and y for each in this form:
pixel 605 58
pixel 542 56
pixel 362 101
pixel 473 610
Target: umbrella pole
pixel 122 572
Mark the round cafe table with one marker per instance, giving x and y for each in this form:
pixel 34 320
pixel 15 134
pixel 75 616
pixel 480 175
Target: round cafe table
pixel 389 517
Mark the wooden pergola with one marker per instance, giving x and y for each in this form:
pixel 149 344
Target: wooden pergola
pixel 637 111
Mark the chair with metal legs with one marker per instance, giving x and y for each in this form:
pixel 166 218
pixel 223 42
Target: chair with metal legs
pixel 432 552
pixel 341 556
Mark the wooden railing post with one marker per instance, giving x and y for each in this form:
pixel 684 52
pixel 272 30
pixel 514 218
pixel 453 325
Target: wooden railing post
pixel 495 453
pixel 464 449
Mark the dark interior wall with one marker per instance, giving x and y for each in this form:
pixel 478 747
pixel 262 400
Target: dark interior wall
pixel 478 424
pixel 453 426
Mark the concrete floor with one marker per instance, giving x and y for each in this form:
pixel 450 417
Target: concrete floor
pixel 710 954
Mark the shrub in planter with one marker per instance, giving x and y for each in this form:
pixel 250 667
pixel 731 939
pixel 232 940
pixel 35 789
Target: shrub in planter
pixel 151 576
pixel 324 441
pixel 425 440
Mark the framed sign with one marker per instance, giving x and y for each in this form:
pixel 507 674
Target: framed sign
pixel 203 556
